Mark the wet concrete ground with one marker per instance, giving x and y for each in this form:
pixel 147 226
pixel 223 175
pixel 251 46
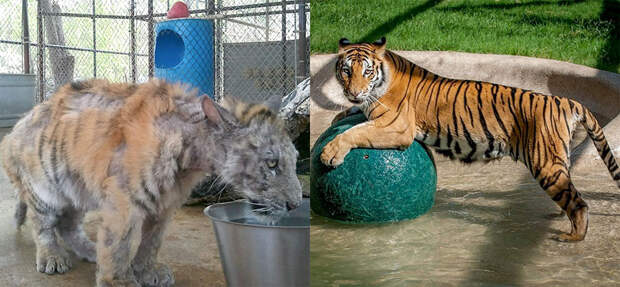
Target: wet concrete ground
pixel 190 249
pixel 490 226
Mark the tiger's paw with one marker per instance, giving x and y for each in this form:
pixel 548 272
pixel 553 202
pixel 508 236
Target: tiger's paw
pixel 158 275
pixel 334 152
pixel 118 283
pixel 53 260
pixel 568 237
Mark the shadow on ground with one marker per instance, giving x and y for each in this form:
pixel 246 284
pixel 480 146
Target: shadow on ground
pixel 393 22
pixel 509 5
pixel 610 60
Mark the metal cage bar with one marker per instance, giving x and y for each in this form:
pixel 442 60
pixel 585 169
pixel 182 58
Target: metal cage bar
pixel 41 57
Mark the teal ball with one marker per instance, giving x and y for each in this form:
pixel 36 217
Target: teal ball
pixel 372 185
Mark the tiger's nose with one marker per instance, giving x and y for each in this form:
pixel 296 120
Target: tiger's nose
pixel 291 205
pixel 354 97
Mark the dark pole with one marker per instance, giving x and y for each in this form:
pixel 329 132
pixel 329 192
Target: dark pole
pixel 151 32
pixel 283 43
pixel 41 50
pixel 25 37
pixel 132 37
pixel 302 44
pixel 94 43
pixel 218 53
pixel 210 7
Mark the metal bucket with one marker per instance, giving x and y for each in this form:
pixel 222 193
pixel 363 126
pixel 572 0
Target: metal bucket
pixel 261 255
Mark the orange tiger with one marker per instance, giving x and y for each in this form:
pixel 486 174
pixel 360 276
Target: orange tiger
pixel 464 120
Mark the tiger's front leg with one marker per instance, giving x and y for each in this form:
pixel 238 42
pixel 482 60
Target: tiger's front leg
pixel 366 135
pixel 118 239
pixel 147 270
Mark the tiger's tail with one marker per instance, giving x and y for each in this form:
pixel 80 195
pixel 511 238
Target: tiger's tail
pixel 20 213
pixel 595 132
pixel 21 207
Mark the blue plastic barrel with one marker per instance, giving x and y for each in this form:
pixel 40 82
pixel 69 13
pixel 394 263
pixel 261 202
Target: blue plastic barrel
pixel 184 53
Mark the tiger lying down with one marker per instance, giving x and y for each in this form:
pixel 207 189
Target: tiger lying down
pixel 134 152
pixel 464 120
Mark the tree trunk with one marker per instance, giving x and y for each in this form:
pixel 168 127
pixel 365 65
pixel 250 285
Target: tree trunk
pixel 61 61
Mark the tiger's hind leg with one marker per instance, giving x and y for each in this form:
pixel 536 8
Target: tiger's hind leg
pixel 555 180
pixel 70 229
pixel 51 257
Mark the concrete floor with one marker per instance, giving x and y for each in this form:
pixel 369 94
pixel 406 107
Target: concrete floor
pixel 190 249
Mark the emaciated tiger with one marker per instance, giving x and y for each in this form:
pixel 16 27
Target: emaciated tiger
pixel 464 120
pixel 133 153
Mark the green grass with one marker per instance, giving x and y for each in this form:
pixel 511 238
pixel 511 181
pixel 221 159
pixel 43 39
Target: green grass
pixel 581 32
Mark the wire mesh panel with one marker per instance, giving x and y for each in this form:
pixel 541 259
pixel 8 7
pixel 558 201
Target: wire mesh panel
pixel 258 48
pixel 12 45
pixel 10 58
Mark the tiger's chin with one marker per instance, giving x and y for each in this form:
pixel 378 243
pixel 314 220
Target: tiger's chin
pixel 356 102
pixel 365 99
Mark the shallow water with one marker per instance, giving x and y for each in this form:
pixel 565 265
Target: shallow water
pixel 241 212
pixel 284 221
pixel 490 225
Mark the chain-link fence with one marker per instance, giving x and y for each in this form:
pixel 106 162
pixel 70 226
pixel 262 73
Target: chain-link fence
pixel 15 42
pixel 252 49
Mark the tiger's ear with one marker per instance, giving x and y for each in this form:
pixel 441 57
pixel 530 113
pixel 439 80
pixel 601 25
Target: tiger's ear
pixel 211 112
pixel 342 44
pixel 380 45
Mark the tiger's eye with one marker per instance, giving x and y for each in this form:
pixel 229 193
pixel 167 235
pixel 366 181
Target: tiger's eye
pixel 272 163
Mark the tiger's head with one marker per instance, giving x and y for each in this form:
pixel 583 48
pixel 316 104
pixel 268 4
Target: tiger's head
pixel 360 70
pixel 258 158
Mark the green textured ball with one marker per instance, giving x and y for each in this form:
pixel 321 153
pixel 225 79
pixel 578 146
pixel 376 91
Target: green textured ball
pixel 372 185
